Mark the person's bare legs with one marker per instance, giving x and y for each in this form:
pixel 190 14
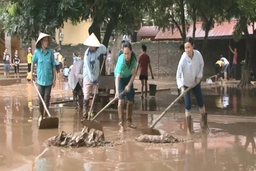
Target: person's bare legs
pixel 142 88
pixel 146 88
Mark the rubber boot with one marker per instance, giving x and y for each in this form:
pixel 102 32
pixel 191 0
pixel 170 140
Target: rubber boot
pixel 189 124
pixel 80 99
pixel 75 94
pixel 203 123
pixel 129 115
pixel 86 109
pixel 121 117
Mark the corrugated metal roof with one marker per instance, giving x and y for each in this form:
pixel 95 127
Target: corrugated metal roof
pixel 148 31
pixel 225 29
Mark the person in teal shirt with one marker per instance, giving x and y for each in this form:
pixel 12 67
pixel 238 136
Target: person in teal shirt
pixel 43 57
pixel 125 73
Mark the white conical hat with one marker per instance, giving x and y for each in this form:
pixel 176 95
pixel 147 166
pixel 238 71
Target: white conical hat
pixel 92 41
pixel 41 36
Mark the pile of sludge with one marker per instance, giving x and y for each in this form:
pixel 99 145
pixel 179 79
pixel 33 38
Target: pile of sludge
pixel 164 138
pixel 85 138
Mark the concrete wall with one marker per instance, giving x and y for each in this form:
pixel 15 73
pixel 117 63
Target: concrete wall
pixel 165 55
pixel 74 34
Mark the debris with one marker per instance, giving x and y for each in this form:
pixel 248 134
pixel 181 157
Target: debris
pixel 84 138
pixel 164 138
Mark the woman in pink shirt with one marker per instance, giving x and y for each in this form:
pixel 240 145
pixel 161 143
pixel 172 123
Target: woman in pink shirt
pixel 233 68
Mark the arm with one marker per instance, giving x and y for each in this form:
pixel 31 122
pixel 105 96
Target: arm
pixel 231 49
pixel 150 68
pixel 79 71
pixel 117 82
pixel 133 77
pixel 179 74
pixel 53 70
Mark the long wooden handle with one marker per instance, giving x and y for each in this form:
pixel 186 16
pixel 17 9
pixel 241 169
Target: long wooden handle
pixel 109 103
pixel 93 99
pixel 42 100
pixel 164 112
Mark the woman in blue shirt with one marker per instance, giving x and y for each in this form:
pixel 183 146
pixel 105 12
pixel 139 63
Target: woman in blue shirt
pixel 43 57
pixel 125 73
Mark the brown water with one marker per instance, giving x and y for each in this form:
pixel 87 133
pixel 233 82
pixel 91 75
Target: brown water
pixel 229 146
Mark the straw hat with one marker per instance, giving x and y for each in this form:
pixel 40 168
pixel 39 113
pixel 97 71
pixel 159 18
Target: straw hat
pixel 92 41
pixel 41 36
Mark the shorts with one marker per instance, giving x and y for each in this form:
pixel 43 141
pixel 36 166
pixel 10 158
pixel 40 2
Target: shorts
pixel 143 77
pixel 61 65
pixel 122 84
pixel 6 67
pixel 226 68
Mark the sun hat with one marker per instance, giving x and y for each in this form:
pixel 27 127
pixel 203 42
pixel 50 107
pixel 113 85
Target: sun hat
pixel 92 41
pixel 40 37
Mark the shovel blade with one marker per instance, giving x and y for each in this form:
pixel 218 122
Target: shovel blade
pixel 49 123
pixel 92 125
pixel 150 131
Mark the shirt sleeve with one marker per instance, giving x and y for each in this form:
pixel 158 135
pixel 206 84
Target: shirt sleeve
pixel 201 66
pixel 79 71
pixel 87 67
pixel 53 60
pixel 34 57
pixel 119 64
pixel 179 74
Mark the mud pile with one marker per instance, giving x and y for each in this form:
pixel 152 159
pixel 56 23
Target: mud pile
pixel 164 138
pixel 84 138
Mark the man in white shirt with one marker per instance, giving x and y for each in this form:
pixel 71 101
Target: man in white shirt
pixel 225 68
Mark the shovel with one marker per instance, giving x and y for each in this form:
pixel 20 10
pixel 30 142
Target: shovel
pixel 50 122
pixel 151 130
pixel 91 124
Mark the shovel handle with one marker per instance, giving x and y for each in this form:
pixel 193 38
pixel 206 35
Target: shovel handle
pixel 42 100
pixel 93 99
pixel 109 103
pixel 164 112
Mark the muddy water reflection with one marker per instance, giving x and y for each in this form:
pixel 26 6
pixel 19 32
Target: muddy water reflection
pixel 230 145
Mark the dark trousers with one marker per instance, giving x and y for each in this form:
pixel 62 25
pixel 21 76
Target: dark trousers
pixel 29 67
pixel 45 92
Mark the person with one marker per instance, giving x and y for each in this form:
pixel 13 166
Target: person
pixel 143 64
pixel 29 58
pixel 125 73
pixel 75 81
pixel 108 62
pixel 61 60
pixel 16 62
pixel 225 68
pixel 120 52
pixel 189 74
pixel 218 68
pixel 43 57
pixel 7 61
pixel 91 68
pixel 234 64
pixel 57 63
pixel 75 57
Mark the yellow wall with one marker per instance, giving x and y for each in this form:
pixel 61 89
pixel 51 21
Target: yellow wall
pixel 74 34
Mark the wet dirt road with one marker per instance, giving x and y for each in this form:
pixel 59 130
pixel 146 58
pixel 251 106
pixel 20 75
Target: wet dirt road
pixel 229 146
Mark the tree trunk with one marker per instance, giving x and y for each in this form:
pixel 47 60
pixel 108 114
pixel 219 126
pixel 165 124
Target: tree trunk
pixel 246 78
pixel 95 28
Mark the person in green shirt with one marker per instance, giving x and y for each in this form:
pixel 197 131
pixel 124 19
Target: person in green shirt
pixel 125 73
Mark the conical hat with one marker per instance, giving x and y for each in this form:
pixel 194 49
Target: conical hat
pixel 92 41
pixel 41 36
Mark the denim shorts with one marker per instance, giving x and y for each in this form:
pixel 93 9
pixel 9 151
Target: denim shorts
pixel 122 84
pixel 198 94
pixel 6 67
pixel 226 68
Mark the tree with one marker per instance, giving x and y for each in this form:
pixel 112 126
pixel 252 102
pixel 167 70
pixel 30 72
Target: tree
pixel 245 13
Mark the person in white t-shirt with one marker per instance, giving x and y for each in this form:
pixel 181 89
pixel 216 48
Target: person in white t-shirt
pixel 225 68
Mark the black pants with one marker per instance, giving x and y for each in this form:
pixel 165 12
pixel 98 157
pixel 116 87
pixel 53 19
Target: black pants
pixel 29 67
pixel 45 92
